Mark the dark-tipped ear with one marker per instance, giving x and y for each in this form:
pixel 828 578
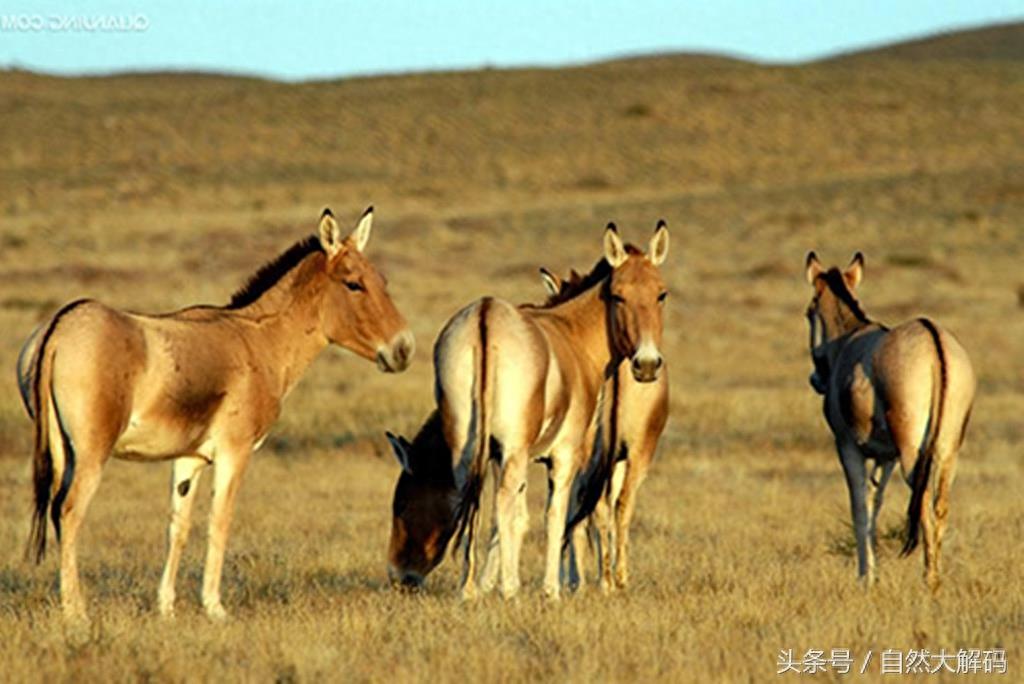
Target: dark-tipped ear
pixel 330 235
pixel 814 268
pixel 658 249
pixel 855 271
pixel 552 283
pixel 400 447
pixel 614 250
pixel 361 235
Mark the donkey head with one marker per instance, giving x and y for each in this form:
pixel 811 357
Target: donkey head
pixel 833 312
pixel 636 294
pixel 357 312
pixel 423 508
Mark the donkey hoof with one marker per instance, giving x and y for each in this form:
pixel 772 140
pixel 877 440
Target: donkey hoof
pixel 216 612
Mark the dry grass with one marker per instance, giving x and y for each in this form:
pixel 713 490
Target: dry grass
pixel 155 192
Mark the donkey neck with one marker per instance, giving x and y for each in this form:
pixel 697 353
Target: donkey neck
pixel 286 322
pixel 583 322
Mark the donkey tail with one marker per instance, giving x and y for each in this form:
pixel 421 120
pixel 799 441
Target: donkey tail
pixel 46 469
pixel 593 481
pixel 26 370
pixel 469 504
pixel 923 468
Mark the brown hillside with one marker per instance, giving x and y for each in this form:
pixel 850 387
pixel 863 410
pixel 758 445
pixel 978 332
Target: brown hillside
pixel 1002 42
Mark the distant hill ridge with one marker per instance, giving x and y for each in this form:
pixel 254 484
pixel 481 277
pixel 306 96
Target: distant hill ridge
pixel 1001 42
pixel 995 42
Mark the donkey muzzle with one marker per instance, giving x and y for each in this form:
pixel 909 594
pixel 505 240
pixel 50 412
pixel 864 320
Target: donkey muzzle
pixel 396 356
pixel 647 367
pixel 406 580
pixel 817 383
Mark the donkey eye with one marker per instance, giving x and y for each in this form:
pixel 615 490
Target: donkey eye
pixel 662 296
pixel 354 285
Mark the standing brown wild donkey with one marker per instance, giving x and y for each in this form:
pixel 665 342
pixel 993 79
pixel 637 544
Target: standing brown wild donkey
pixel 639 411
pixel 902 394
pixel 198 386
pixel 514 384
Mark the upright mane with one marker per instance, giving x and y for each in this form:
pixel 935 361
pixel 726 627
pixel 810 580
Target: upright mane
pixel 270 273
pixel 835 282
pixel 577 284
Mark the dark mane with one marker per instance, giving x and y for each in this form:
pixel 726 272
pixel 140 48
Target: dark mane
pixel 271 272
pixel 835 282
pixel 576 284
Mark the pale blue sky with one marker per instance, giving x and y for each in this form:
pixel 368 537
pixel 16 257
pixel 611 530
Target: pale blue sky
pixel 327 39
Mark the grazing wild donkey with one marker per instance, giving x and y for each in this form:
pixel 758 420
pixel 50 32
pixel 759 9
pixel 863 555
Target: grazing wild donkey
pixel 198 386
pixel 903 394
pixel 640 411
pixel 515 383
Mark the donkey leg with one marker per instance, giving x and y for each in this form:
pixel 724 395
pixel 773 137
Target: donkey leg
pixel 490 572
pixel 855 470
pixel 512 484
pixel 559 479
pixel 85 481
pixel 946 475
pixel 930 528
pixel 184 483
pixel 876 491
pixel 624 509
pixel 578 556
pixel 468 578
pixel 227 473
pixel 602 517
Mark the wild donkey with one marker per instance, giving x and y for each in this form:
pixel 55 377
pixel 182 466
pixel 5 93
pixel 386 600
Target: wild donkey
pixel 640 411
pixel 904 394
pixel 200 386
pixel 515 383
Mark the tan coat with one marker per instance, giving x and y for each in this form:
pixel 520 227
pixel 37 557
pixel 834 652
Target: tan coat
pixel 198 386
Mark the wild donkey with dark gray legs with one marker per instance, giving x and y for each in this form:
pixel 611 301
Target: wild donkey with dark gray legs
pixel 640 411
pixel 198 386
pixel 903 394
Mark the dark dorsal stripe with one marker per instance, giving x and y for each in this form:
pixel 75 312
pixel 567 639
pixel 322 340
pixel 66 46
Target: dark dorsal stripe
pixel 272 272
pixel 837 284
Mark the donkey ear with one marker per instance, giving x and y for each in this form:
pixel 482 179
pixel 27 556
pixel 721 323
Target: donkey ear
pixel 552 283
pixel 330 235
pixel 659 244
pixel 855 271
pixel 400 446
pixel 614 250
pixel 361 235
pixel 814 268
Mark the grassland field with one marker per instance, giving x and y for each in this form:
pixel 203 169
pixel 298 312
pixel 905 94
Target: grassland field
pixel 152 192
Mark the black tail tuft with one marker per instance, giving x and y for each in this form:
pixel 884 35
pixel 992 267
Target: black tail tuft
pixel 592 483
pixel 466 510
pixel 921 474
pixel 42 481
